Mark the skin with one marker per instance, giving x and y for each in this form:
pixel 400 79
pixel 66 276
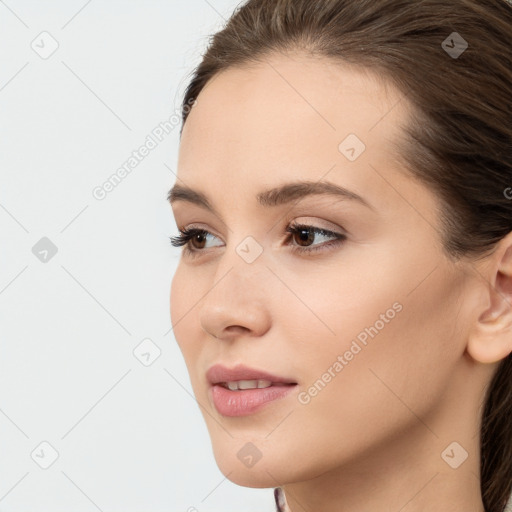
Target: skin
pixel 372 438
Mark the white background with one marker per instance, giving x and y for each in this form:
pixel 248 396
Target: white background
pixel 129 437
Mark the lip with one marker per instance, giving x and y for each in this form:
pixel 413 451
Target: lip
pixel 247 401
pixel 219 373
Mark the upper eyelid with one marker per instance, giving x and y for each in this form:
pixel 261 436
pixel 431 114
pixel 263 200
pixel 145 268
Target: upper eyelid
pixel 317 224
pixel 292 224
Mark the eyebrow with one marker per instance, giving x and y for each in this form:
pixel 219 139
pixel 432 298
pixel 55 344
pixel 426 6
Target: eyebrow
pixel 273 197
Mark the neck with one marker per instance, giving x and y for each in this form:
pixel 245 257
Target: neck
pixel 416 479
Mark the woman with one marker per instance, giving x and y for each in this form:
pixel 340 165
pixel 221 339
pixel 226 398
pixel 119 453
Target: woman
pixel 343 297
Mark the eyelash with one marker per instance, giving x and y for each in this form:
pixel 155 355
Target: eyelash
pixel 186 235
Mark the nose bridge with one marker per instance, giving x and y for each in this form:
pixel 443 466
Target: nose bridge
pixel 244 258
pixel 241 274
pixel 239 293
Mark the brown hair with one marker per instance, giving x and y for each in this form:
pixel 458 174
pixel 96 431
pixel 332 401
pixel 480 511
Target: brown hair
pixel 458 139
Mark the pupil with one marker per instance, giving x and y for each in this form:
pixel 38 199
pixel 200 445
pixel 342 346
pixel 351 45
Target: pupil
pixel 199 237
pixel 306 233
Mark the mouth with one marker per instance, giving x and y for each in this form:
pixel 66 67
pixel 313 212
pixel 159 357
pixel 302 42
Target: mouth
pixel 244 377
pixel 241 390
pixel 242 385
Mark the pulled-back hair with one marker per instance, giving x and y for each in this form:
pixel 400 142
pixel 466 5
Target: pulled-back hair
pixel 453 61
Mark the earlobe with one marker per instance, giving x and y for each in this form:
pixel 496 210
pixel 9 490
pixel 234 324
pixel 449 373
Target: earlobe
pixel 491 338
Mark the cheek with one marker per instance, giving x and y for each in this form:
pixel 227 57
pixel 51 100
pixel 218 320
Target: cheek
pixel 394 310
pixel 176 301
pixel 397 351
pixel 182 310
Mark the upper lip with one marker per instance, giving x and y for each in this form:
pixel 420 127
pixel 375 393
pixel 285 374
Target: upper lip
pixel 219 373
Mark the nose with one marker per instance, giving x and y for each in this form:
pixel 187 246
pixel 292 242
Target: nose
pixel 237 301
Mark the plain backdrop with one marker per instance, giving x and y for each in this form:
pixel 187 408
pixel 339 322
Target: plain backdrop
pixel 96 407
pixel 90 418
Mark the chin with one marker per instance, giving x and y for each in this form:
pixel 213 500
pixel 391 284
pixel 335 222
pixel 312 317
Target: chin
pixel 263 474
pixel 255 480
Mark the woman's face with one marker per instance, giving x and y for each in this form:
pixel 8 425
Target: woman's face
pixel 369 326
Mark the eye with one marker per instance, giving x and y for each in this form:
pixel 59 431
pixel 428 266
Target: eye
pixel 187 236
pixel 305 234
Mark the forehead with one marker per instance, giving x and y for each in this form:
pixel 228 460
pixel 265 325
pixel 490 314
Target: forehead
pixel 283 90
pixel 293 117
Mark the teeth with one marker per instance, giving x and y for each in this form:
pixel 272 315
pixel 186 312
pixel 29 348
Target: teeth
pixel 248 384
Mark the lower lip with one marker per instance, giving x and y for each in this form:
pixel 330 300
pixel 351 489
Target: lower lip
pixel 246 401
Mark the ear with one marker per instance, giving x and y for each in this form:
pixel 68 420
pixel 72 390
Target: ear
pixel 491 338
